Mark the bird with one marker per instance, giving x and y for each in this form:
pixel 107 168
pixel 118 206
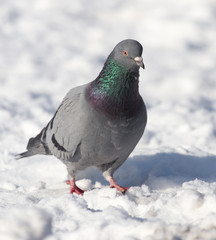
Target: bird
pixel 98 123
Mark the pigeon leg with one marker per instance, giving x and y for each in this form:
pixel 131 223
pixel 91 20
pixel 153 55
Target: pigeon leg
pixel 74 188
pixel 113 184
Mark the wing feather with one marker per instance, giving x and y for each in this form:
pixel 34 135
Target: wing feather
pixel 65 129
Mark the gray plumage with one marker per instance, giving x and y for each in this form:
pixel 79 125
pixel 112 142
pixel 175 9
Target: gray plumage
pixel 85 133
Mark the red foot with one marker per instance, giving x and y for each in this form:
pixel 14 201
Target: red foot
pixel 113 184
pixel 74 188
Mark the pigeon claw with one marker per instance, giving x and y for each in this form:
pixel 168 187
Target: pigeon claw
pixel 121 189
pixel 74 188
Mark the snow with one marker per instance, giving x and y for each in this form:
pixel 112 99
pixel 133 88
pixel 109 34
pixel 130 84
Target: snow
pixel 48 47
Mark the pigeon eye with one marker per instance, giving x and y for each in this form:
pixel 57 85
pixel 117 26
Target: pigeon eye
pixel 125 53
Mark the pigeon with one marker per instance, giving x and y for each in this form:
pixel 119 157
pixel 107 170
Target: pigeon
pixel 99 123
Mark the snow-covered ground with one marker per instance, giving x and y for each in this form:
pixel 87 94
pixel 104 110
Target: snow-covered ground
pixel 48 47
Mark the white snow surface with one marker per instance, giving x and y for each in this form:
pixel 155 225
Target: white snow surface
pixel 48 47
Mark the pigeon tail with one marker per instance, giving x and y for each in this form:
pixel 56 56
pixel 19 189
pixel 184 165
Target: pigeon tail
pixel 36 145
pixel 24 154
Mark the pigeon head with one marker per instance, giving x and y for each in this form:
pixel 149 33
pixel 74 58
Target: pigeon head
pixel 129 54
pixel 115 90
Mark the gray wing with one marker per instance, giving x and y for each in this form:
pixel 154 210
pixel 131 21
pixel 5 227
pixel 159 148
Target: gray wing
pixel 64 132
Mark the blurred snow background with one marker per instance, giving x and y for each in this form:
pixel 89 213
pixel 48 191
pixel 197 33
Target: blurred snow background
pixel 48 47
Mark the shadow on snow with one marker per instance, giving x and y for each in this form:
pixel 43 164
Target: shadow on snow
pixel 175 168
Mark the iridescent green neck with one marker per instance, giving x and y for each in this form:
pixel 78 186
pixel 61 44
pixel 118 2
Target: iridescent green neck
pixel 110 79
pixel 113 81
pixel 115 90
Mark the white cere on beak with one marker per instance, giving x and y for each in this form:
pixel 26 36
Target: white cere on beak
pixel 139 62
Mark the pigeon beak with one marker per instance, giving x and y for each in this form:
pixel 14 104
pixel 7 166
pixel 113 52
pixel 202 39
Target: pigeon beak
pixel 139 62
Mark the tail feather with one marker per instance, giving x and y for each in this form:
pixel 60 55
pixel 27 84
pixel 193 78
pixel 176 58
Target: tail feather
pixel 36 145
pixel 24 154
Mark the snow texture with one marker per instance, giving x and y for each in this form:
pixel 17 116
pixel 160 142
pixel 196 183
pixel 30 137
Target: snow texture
pixel 48 47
